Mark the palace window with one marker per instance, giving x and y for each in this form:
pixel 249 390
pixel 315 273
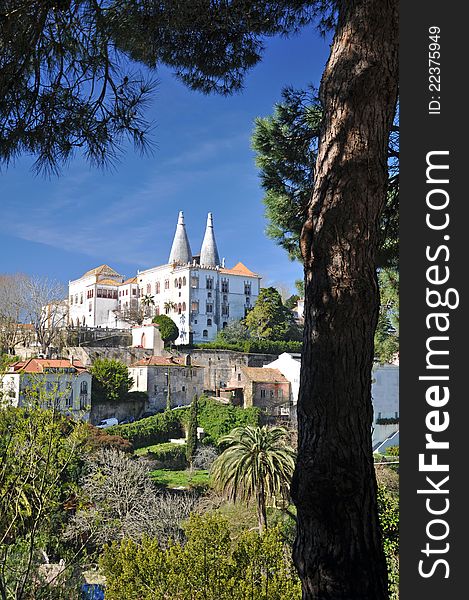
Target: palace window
pixel 157 287
pixel 166 284
pixel 194 281
pixel 195 306
pixel 209 322
pixel 209 284
pixel 209 308
pixel 183 281
pixel 225 286
pixel 247 288
pixel 71 299
pixel 205 333
pixel 225 310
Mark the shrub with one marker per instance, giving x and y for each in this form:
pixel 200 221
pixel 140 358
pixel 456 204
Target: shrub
pixel 152 430
pixel 167 455
pixel 168 329
pixel 255 346
pixel 218 419
pixel 210 565
pixel 388 508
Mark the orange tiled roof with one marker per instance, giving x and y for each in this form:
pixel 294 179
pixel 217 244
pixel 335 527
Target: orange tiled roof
pixel 239 269
pixel 108 282
pixel 101 270
pixel 38 365
pixel 264 375
pixel 127 281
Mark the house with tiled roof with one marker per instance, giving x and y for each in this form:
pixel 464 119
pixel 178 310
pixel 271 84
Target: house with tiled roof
pixel 197 291
pixel 166 380
pixel 265 388
pixel 63 384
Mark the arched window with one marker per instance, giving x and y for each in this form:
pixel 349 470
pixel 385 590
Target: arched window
pixel 78 322
pixel 180 283
pixel 157 310
pixel 209 322
pixel 84 387
pixel 84 321
pixel 205 333
pixel 183 307
pixel 225 324
pixel 183 281
pixel 157 287
pixel 179 308
pixel 175 283
pixel 142 341
pixel 148 288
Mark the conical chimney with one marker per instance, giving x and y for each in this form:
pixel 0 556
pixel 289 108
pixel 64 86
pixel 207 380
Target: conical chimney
pixel 180 250
pixel 209 251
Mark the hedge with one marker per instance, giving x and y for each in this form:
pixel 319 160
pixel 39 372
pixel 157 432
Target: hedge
pixel 152 430
pixel 170 456
pixel 255 346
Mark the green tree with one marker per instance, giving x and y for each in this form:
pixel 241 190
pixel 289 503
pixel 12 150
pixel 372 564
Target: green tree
pixel 40 458
pixel 111 381
pixel 257 464
pixel 387 330
pixel 269 318
pixel 233 333
pixel 191 446
pixel 286 145
pixel 211 566
pixel 168 329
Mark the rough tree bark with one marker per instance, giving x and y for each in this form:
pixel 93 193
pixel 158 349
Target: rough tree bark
pixel 338 548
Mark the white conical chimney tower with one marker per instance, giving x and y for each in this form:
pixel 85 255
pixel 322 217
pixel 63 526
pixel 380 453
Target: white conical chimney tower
pixel 180 250
pixel 209 252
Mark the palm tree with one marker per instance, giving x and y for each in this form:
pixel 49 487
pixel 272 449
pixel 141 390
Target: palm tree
pixel 256 464
pixel 147 301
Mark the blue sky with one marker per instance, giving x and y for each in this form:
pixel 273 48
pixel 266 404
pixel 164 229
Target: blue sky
pixel 202 162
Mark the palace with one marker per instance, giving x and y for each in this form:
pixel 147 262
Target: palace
pixel 197 291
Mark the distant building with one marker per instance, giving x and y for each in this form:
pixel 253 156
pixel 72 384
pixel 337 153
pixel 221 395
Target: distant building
pixel 65 384
pixel 263 387
pixel 197 291
pixel 159 376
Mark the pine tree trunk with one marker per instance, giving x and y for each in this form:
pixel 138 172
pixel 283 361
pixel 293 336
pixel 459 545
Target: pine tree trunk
pixel 338 549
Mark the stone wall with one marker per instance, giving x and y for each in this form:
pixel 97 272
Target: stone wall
pixel 87 355
pixel 121 410
pixel 220 365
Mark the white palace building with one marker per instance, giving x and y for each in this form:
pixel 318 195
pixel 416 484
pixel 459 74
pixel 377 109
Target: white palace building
pixel 197 291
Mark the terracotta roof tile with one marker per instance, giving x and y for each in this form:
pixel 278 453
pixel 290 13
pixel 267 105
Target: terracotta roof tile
pixel 37 365
pixel 101 270
pixel 239 269
pixel 108 282
pixel 264 375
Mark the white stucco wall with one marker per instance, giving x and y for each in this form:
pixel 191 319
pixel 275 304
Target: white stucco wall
pixel 385 391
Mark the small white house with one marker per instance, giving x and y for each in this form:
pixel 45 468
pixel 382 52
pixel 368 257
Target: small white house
pixel 65 384
pixel 147 336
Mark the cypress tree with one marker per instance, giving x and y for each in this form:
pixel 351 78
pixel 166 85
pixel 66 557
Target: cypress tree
pixel 191 446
